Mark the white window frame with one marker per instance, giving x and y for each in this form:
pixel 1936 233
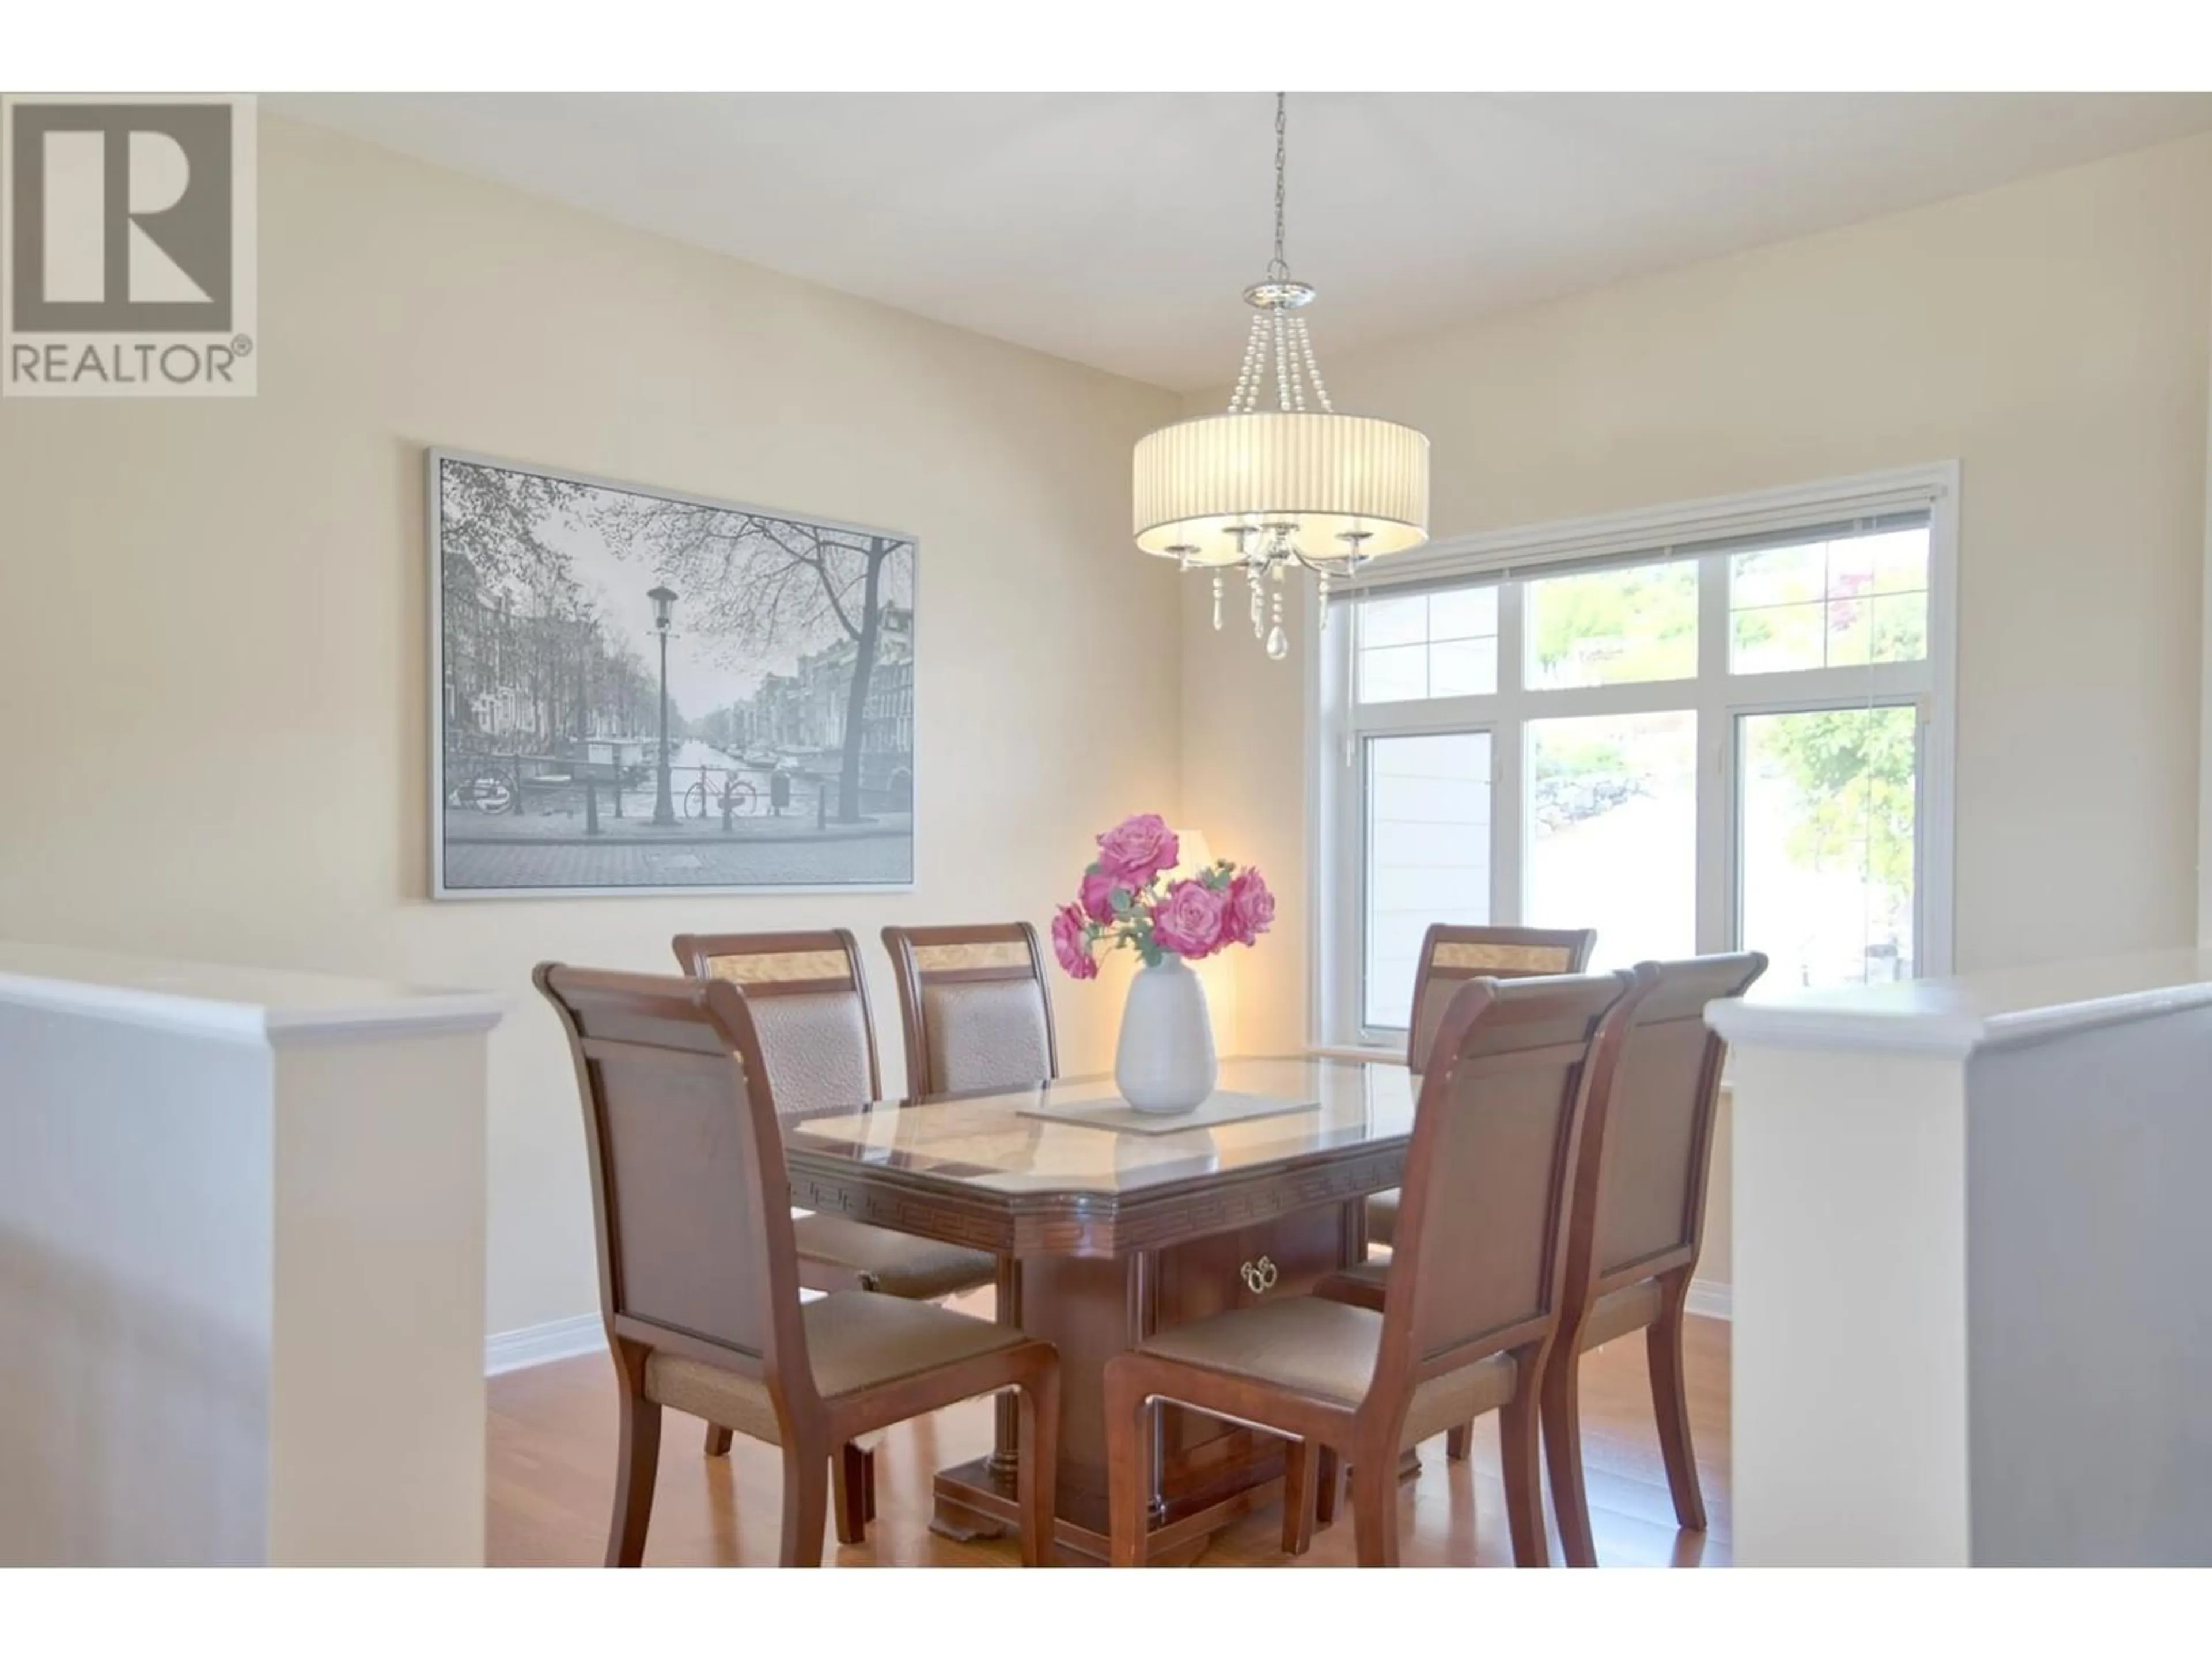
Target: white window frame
pixel 1335 764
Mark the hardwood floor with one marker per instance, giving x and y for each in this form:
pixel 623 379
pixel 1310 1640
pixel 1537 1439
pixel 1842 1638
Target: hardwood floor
pixel 552 1457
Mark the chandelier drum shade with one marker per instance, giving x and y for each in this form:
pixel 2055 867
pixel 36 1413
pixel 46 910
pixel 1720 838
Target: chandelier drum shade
pixel 1264 489
pixel 1345 486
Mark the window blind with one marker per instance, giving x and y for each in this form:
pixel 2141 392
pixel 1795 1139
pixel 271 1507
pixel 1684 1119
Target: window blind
pixel 1418 573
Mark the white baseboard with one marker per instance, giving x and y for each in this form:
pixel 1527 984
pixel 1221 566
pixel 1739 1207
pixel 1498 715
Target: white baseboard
pixel 1708 1298
pixel 541 1345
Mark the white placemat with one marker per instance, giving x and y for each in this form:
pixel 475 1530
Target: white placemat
pixel 1112 1112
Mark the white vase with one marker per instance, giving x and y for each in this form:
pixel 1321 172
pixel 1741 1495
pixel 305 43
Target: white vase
pixel 1164 1061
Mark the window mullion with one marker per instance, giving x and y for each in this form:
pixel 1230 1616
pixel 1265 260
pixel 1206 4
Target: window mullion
pixel 1716 801
pixel 1508 752
pixel 1341 893
pixel 1815 687
pixel 1391 719
pixel 1632 697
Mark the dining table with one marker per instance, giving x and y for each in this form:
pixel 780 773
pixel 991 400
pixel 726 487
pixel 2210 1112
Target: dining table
pixel 1110 1225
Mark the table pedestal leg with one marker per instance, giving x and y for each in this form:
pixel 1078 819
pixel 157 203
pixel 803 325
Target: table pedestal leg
pixel 1008 1408
pixel 1206 1474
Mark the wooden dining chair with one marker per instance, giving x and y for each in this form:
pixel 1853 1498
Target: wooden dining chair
pixel 1477 1281
pixel 809 1005
pixel 1450 956
pixel 1640 1217
pixel 699 1270
pixel 973 1007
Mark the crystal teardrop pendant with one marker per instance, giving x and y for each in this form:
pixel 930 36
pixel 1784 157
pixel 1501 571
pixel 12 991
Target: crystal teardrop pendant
pixel 1279 643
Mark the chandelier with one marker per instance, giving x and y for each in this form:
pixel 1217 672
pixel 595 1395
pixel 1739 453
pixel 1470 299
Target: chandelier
pixel 1293 482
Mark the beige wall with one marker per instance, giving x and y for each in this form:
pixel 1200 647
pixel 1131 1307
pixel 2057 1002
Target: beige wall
pixel 212 614
pixel 212 622
pixel 2050 336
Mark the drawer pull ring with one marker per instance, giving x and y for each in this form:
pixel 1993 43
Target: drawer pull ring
pixel 1260 1276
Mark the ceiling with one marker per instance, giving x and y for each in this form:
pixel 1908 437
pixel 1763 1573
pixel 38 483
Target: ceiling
pixel 1119 229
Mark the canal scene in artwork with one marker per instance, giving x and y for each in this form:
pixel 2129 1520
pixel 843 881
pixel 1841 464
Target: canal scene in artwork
pixel 644 690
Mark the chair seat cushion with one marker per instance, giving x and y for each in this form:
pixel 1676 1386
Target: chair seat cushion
pixel 1618 1312
pixel 1321 1348
pixel 896 1264
pixel 855 1340
pixel 1383 1217
pixel 1630 1308
pixel 1328 1349
pixel 858 1340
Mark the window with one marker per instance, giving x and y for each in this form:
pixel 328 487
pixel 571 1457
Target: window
pixel 1735 739
pixel 1428 837
pixel 1614 627
pixel 1830 812
pixel 1613 801
pixel 1429 645
pixel 1836 604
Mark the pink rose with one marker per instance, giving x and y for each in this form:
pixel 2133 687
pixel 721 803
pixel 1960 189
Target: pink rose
pixel 1250 909
pixel 1188 920
pixel 1069 944
pixel 1136 849
pixel 1098 896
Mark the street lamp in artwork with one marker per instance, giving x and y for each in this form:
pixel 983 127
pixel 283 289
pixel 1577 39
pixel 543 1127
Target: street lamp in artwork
pixel 664 605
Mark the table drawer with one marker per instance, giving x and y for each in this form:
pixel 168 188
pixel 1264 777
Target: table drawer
pixel 1265 1262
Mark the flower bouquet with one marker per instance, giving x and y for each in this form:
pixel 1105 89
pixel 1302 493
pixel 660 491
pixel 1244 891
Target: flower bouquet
pixel 1136 894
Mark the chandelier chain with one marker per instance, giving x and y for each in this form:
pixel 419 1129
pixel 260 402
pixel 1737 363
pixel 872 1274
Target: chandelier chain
pixel 1279 268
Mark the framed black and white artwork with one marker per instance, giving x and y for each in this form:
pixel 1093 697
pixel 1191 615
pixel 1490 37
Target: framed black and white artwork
pixel 639 691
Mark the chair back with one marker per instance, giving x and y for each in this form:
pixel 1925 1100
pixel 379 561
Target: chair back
pixel 1452 956
pixel 689 1193
pixel 974 1006
pixel 1477 1265
pixel 809 1001
pixel 1647 1141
